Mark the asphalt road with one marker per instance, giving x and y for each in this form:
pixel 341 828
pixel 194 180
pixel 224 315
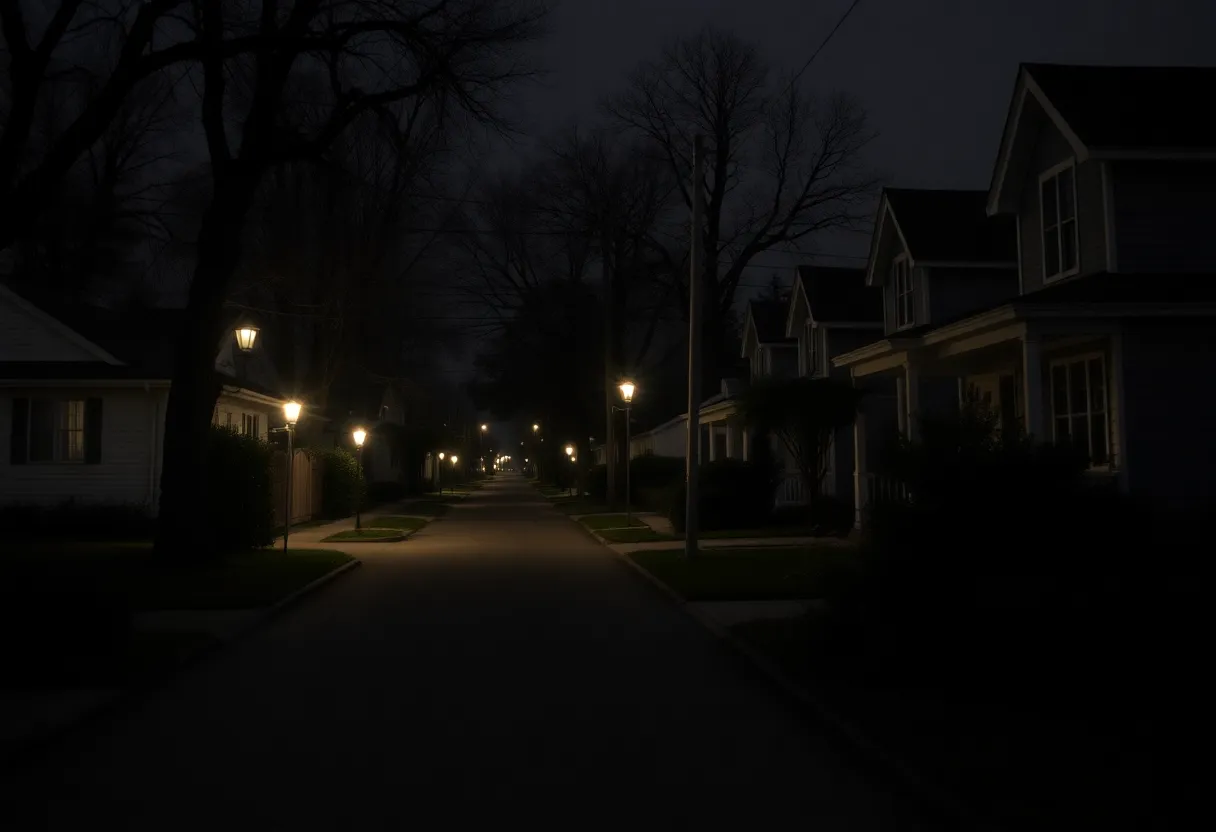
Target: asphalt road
pixel 500 666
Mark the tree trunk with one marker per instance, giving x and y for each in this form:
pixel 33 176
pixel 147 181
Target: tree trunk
pixel 182 526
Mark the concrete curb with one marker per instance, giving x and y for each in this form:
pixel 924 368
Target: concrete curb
pixel 919 786
pixel 388 538
pixel 119 700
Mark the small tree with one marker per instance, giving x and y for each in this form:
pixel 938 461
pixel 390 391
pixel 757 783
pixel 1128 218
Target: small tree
pixel 804 413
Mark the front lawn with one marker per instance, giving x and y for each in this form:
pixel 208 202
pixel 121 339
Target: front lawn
pixel 68 610
pixel 1062 759
pixel 743 574
pixel 643 534
pixel 763 531
pixel 595 522
pixel 130 577
pixel 402 522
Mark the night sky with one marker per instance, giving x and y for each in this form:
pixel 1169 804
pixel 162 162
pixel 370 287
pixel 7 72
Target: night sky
pixel 935 75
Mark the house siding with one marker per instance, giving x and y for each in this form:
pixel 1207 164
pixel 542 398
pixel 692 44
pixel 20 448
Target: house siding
pixel 923 310
pixel 1167 381
pixel 1165 216
pixel 1051 149
pixel 129 471
pixel 23 337
pixel 955 292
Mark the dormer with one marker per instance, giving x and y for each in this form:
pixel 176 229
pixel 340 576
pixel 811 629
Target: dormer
pixel 831 311
pixel 936 255
pixel 1108 169
pixel 768 352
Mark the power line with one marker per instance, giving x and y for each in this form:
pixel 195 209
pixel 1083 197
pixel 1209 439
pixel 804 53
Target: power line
pixel 825 42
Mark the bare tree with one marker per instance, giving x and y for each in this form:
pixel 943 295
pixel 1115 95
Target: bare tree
pixel 783 166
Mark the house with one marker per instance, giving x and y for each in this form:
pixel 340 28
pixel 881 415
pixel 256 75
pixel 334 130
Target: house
pixel 831 312
pixel 1098 330
pixel 83 396
pixel 667 439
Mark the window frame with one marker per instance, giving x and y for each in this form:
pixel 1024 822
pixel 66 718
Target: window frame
pixel 1107 405
pixel 901 267
pixel 58 414
pixel 810 354
pixel 1054 173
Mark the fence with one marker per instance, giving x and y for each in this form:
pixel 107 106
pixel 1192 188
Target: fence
pixel 305 487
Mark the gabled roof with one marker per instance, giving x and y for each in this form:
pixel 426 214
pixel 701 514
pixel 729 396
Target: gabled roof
pixel 836 294
pixel 1113 112
pixel 767 317
pixel 951 226
pixel 1133 107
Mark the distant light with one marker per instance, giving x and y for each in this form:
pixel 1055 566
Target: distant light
pixel 535 428
pixel 454 459
pixel 359 435
pixel 442 454
pixel 569 450
pixel 485 428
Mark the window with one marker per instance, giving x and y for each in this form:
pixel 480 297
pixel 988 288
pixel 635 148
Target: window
pixel 249 424
pixel 1078 407
pixel 55 430
pixel 811 354
pixel 901 280
pixel 1058 195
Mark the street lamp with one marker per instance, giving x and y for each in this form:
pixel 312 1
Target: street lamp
pixel 246 335
pixel 627 387
pixel 439 473
pixel 536 428
pixel 570 456
pixel 291 414
pixel 360 436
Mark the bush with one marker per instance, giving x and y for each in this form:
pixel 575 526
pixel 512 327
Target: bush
pixel 386 492
pixel 342 484
pixel 733 495
pixel 73 520
pixel 240 502
pixel 652 480
pixel 1007 561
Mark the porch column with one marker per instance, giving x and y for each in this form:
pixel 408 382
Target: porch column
pixel 901 405
pixel 860 492
pixel 911 399
pixel 747 444
pixel 1032 379
pixel 730 440
pixel 710 430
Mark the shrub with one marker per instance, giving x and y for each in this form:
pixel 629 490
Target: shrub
pixel 240 509
pixel 386 492
pixel 652 479
pixel 733 495
pixel 1007 561
pixel 342 483
pixel 71 519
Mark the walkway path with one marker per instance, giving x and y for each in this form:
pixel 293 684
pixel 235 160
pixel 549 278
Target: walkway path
pixel 498 666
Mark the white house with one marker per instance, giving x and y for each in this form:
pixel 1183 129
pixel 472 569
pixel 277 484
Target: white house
pixel 83 396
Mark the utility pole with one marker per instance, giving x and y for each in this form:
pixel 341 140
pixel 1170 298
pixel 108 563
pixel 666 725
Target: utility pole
pixel 695 279
pixel 609 369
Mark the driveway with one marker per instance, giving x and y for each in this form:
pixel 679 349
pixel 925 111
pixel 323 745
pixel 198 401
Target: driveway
pixel 498 666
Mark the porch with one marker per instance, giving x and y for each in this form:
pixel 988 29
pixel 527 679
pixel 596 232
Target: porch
pixel 1057 380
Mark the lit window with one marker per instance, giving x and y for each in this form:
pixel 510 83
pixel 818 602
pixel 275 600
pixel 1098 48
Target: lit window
pixel 56 430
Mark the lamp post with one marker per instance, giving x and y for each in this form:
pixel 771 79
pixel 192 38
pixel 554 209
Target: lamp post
pixel 359 435
pixel 246 336
pixel 439 473
pixel 627 387
pixel 456 474
pixel 570 456
pixel 291 414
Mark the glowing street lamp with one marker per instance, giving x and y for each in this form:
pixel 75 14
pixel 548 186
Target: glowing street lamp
pixel 627 388
pixel 536 428
pixel 570 450
pixel 291 414
pixel 360 436
pixel 246 336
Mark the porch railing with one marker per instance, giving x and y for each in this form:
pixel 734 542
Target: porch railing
pixel 884 489
pixel 791 491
